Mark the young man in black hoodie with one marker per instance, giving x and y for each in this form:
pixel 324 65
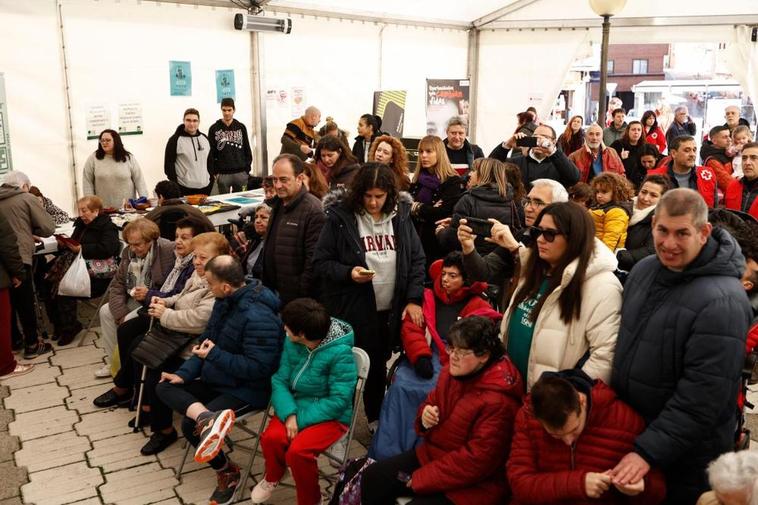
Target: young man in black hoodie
pixel 230 150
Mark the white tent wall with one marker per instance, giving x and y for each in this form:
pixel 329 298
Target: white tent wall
pixel 340 63
pixel 30 60
pixel 120 52
pixel 519 69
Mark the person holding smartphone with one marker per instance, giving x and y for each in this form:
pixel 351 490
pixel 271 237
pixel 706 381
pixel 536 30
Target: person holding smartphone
pixel 370 264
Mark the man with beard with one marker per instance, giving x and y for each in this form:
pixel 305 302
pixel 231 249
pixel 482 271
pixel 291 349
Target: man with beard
pixel 595 158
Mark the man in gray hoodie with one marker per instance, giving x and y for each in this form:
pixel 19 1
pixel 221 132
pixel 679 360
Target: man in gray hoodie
pixel 187 160
pixel 28 219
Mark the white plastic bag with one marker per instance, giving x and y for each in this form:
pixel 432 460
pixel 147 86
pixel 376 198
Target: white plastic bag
pixel 76 281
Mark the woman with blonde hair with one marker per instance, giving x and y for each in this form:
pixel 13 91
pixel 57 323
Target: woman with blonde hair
pixel 390 151
pixel 436 188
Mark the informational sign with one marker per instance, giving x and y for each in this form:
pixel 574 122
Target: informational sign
pixel 180 75
pixel 130 118
pixel 445 98
pixel 390 106
pixel 6 163
pixel 298 101
pixel 98 119
pixel 224 84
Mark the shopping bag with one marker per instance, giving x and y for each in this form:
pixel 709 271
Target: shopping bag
pixel 76 281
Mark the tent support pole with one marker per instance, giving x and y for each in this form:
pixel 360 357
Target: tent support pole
pixel 67 90
pixel 473 75
pixel 260 154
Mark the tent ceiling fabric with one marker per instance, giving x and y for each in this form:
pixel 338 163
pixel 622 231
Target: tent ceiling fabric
pixel 447 11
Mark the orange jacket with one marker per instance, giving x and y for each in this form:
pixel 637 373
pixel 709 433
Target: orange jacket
pixel 583 160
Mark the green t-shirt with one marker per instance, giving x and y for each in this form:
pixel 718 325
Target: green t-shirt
pixel 521 330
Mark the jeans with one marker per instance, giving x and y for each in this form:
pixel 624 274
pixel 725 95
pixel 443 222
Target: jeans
pixel 380 484
pixel 179 397
pixel 235 182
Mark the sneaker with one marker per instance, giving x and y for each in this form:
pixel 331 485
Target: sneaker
pixel 228 482
pixel 372 426
pixel 104 372
pixel 18 371
pixel 338 451
pixel 37 350
pixel 262 491
pixel 213 429
pixel 158 442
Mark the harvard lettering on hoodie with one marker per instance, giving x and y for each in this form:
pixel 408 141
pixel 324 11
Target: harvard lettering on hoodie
pixel 230 147
pixel 378 239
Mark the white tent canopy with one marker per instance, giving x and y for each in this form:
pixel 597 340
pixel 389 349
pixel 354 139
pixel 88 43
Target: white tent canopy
pixel 61 58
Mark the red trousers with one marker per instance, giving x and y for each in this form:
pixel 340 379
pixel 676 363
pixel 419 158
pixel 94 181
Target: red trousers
pixel 299 454
pixel 7 361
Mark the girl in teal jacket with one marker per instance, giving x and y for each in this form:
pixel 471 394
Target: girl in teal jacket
pixel 312 398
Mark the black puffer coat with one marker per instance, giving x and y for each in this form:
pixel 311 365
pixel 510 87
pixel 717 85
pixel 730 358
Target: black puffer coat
pixel 340 249
pixel 99 238
pixel 679 355
pixel 639 240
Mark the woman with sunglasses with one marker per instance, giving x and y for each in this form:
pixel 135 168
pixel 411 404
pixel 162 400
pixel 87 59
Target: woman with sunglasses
pixel 466 424
pixel 565 312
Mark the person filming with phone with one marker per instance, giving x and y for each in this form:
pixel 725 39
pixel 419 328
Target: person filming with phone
pixel 370 264
pixel 543 160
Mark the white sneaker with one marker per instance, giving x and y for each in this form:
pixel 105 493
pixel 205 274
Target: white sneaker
pixel 338 450
pixel 262 491
pixel 104 372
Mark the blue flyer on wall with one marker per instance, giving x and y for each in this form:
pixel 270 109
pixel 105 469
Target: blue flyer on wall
pixel 180 73
pixel 224 84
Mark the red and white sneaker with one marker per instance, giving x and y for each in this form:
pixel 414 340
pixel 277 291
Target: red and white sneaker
pixel 212 433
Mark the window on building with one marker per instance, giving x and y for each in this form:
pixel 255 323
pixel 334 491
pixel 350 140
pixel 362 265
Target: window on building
pixel 639 66
pixel 610 66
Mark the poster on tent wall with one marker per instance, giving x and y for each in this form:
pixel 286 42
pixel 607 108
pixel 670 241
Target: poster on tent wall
pixel 445 98
pixel 6 163
pixel 130 118
pixel 224 85
pixel 390 106
pixel 180 75
pixel 98 119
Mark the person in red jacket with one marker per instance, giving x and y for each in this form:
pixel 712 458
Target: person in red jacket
pixel 653 133
pixel 569 434
pixel 594 157
pixel 681 169
pixel 466 424
pixel 741 193
pixel 450 298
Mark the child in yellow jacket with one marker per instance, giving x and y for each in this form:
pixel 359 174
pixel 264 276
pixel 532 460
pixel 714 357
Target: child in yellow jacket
pixel 612 209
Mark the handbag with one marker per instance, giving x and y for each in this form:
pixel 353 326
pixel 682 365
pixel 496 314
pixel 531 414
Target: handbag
pixel 76 281
pixel 102 269
pixel 347 491
pixel 159 345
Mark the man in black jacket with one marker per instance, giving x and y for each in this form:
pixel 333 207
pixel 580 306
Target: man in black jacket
pixel 293 230
pixel 460 151
pixel 544 161
pixel 230 150
pixel 681 347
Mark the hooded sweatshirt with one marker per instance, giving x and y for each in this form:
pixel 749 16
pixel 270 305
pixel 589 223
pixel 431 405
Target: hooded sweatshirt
pixel 187 160
pixel 230 147
pixel 378 239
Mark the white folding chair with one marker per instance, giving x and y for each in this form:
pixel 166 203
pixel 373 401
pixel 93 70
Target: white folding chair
pixel 362 364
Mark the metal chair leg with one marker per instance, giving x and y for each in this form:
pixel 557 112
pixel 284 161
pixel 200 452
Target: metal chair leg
pixel 188 446
pixel 249 466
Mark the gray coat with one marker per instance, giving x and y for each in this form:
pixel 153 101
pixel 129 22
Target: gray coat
pixel 10 261
pixel 26 217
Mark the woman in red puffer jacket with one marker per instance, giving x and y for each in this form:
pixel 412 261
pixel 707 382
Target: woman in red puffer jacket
pixel 466 423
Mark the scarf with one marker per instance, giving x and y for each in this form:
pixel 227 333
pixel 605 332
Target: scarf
pixel 139 271
pixel 639 214
pixel 427 186
pixel 179 265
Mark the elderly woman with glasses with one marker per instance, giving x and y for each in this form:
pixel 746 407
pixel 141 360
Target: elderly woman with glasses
pixel 566 310
pixel 465 423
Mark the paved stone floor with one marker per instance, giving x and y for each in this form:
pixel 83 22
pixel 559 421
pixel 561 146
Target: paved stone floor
pixel 57 448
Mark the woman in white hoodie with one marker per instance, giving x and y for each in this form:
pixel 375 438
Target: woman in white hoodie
pixel 639 232
pixel 565 312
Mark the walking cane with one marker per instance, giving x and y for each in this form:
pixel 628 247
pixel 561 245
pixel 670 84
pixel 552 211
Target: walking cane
pixel 137 426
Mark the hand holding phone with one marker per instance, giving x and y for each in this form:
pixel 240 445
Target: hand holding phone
pixel 526 142
pixel 361 274
pixel 479 227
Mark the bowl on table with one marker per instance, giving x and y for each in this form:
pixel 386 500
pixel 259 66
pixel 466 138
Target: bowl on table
pixel 196 199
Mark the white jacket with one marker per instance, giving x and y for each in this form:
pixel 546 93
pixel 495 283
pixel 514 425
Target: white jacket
pixel 189 310
pixel 556 346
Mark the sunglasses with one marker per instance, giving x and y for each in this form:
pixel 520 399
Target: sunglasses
pixel 535 232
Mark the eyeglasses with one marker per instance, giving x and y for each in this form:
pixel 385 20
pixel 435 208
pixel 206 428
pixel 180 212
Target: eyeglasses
pixel 534 202
pixel 535 232
pixel 458 353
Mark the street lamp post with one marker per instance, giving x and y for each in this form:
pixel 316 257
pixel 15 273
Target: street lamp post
pixel 606 9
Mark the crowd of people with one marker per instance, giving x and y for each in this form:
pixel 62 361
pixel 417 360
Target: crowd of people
pixel 572 313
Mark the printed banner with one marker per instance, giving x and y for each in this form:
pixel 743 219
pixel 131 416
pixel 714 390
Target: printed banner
pixel 180 75
pixel 298 101
pixel 98 119
pixel 130 118
pixel 224 85
pixel 390 106
pixel 445 98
